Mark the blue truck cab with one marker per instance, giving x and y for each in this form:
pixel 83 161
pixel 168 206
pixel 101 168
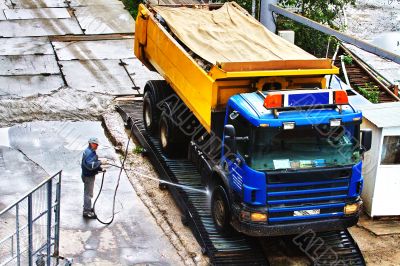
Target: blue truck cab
pixel 293 161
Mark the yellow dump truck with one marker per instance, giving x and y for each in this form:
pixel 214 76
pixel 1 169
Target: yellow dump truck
pixel 254 112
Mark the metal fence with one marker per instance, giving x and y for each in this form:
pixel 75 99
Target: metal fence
pixel 30 228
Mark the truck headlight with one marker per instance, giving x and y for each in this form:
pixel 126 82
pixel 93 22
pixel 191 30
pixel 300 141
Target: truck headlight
pixel 335 122
pixel 351 208
pixel 288 125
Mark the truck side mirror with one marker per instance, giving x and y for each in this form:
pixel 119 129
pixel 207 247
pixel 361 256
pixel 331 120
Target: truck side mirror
pixel 230 139
pixel 366 139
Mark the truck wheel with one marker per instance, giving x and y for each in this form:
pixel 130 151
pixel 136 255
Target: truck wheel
pixel 173 142
pixel 155 91
pixel 220 210
pixel 168 144
pixel 150 115
pixel 184 219
pixel 162 186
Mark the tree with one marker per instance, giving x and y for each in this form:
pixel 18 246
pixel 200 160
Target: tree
pixel 323 11
pixel 246 4
pixel 132 6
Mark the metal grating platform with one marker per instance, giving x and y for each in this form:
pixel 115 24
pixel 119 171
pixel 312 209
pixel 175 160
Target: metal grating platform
pixel 235 250
pixel 338 247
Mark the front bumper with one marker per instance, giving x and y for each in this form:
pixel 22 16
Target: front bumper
pixel 266 229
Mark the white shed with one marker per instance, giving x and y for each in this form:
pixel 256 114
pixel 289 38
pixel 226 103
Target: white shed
pixel 381 167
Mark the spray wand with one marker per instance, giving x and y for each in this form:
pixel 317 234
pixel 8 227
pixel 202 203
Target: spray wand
pixel 122 168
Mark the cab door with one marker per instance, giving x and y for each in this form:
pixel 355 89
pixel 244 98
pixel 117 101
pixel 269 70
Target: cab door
pixel 235 161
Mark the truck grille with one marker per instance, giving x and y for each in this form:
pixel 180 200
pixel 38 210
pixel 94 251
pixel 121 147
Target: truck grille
pixel 307 195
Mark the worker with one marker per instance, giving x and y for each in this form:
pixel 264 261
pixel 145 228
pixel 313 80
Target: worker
pixel 91 165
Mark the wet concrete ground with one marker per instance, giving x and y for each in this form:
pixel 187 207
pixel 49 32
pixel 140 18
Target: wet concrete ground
pixel 133 238
pixel 63 61
pixel 48 74
pixel 18 175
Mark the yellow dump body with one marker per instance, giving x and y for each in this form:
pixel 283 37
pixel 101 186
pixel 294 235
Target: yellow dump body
pixel 207 90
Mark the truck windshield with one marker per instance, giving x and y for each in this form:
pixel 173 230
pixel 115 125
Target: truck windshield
pixel 304 147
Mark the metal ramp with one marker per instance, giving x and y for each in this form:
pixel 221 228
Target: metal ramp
pixel 320 248
pixel 235 250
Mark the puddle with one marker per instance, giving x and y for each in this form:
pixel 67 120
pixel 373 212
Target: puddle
pixel 57 145
pixel 4 139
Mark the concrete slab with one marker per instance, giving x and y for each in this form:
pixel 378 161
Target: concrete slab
pixel 18 175
pixel 39 27
pixel 75 3
pixel 140 73
pixel 28 65
pixel 105 19
pixel 4 139
pixel 39 3
pixel 134 238
pixel 2 16
pixel 5 4
pixel 24 86
pixel 102 49
pixel 380 227
pixel 25 46
pixel 37 13
pixel 104 76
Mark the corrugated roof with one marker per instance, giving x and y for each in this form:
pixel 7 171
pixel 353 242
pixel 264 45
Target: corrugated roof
pixel 383 114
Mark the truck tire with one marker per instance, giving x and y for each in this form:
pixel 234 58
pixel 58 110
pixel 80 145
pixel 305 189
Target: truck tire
pixel 167 139
pixel 173 142
pixel 150 116
pixel 155 91
pixel 220 210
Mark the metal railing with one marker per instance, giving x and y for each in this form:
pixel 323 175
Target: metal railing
pixel 331 32
pixel 30 228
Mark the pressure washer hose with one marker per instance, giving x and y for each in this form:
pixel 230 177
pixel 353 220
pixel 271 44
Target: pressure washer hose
pixel 116 188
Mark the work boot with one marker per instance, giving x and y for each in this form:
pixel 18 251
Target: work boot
pixel 89 215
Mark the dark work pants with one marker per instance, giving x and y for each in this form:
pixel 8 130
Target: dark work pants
pixel 88 192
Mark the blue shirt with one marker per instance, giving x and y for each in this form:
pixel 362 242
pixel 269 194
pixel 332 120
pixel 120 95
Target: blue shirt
pixel 90 163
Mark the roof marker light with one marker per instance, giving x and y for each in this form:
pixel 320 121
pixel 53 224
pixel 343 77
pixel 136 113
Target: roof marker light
pixel 273 101
pixel 341 97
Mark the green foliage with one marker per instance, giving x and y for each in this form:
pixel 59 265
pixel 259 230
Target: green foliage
pixel 246 4
pixel 315 42
pixel 138 150
pixel 347 59
pixel 132 6
pixel 370 92
pixel 322 11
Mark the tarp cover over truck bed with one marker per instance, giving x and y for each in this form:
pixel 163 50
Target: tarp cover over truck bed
pixel 228 34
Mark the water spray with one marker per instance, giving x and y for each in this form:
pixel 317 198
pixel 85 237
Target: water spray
pixel 205 191
pixel 122 168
